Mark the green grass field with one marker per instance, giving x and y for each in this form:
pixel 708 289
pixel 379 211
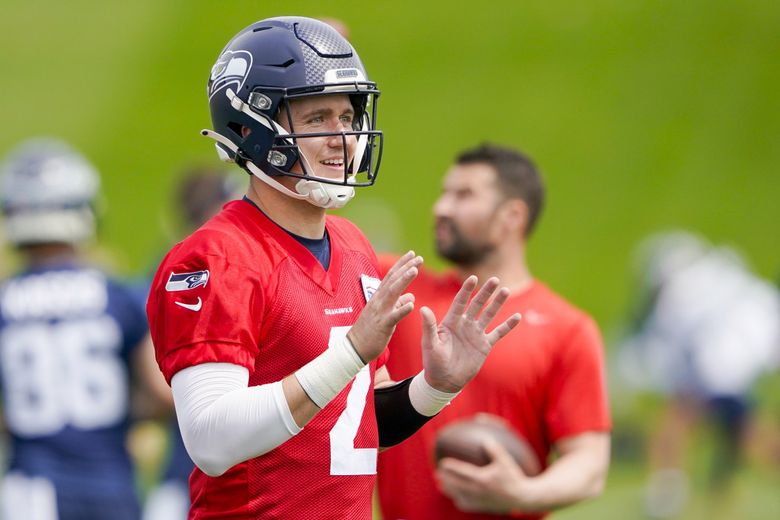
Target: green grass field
pixel 644 115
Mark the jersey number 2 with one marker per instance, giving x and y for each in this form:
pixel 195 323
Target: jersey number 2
pixel 345 459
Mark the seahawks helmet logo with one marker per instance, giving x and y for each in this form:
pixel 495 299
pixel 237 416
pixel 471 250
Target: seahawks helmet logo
pixel 187 281
pixel 230 69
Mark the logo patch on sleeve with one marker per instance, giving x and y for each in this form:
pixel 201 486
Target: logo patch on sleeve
pixel 187 281
pixel 370 285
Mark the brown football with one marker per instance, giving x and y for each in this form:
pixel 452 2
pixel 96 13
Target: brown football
pixel 463 440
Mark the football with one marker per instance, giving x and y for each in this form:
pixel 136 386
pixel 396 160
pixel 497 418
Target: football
pixel 463 440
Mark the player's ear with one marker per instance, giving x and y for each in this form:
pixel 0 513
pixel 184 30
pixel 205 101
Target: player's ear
pixel 245 131
pixel 514 213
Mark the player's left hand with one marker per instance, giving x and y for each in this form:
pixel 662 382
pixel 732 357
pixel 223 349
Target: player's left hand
pixel 454 350
pixel 498 487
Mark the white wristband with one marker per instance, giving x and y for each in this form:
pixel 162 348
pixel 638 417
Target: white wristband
pixel 325 376
pixel 425 399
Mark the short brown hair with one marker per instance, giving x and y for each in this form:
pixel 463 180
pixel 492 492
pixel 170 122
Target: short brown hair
pixel 516 176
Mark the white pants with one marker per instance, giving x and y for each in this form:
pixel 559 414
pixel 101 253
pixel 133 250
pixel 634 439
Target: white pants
pixel 169 501
pixel 28 498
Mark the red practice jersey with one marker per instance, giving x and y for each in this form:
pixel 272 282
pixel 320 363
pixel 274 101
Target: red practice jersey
pixel 546 378
pixel 241 290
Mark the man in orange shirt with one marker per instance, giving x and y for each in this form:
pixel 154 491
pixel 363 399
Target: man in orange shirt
pixel 546 379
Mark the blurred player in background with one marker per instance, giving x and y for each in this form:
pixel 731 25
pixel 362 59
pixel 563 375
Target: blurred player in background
pixel 546 379
pixel 200 194
pixel 70 337
pixel 270 322
pixel 707 329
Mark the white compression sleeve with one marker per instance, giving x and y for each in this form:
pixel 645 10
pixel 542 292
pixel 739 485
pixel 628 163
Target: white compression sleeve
pixel 223 421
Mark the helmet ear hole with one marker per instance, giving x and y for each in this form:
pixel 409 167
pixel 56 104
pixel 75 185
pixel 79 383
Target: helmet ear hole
pixel 236 129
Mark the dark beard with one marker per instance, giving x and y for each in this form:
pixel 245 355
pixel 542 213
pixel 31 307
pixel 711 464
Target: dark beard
pixel 461 251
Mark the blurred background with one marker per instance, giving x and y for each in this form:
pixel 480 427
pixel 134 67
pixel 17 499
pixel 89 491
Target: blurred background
pixel 644 116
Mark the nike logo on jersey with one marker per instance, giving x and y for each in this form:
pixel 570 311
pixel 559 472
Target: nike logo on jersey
pixel 191 306
pixel 533 317
pixel 187 281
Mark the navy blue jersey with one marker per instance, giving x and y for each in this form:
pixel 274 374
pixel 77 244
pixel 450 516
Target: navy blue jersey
pixel 66 337
pixel 178 465
pixel 169 499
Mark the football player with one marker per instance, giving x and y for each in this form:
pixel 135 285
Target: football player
pixel 270 321
pixel 68 337
pixel 546 380
pixel 706 330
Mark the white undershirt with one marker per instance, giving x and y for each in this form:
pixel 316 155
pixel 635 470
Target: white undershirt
pixel 223 421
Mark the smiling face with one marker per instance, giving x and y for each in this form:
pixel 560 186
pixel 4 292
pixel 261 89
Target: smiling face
pixel 324 155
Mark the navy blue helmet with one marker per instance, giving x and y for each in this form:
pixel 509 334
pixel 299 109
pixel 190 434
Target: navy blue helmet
pixel 269 64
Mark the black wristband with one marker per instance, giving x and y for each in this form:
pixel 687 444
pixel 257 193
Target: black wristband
pixel 396 418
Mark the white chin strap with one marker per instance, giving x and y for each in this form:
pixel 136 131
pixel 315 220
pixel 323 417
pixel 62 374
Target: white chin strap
pixel 320 194
pixel 325 195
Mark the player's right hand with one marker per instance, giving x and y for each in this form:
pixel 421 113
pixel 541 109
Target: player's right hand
pixel 372 331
